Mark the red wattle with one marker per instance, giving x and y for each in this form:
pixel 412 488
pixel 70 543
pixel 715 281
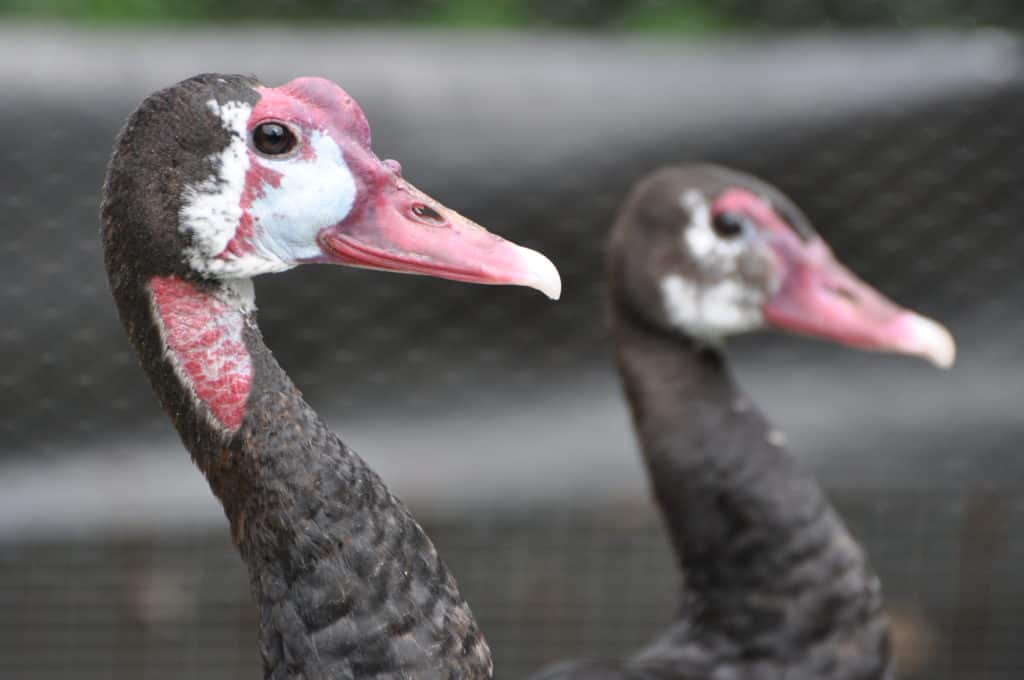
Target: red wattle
pixel 203 335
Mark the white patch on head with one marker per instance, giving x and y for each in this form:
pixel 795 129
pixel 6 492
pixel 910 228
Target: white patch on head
pixel 720 305
pixel 713 311
pixel 212 208
pixel 701 241
pixel 313 194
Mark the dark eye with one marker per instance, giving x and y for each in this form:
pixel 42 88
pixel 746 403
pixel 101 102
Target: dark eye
pixel 728 224
pixel 273 139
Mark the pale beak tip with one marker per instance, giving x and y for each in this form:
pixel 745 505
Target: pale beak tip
pixel 934 342
pixel 543 275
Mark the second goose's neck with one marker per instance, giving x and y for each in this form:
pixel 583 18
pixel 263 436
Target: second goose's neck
pixel 760 547
pixel 346 581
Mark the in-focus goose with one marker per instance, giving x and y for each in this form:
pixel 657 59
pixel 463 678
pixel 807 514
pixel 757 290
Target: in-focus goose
pixel 212 182
pixel 775 588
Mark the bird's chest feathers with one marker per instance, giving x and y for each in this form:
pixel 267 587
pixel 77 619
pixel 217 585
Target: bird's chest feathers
pixel 202 334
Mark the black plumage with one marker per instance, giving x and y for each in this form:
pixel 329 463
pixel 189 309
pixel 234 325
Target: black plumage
pixel 347 583
pixel 774 586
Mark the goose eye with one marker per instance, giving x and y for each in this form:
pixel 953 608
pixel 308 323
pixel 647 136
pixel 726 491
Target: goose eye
pixel 728 224
pixel 273 139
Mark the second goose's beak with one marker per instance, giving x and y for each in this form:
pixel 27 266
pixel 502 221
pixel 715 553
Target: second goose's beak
pixel 819 296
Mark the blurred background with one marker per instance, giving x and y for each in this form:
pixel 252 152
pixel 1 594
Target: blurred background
pixel 898 125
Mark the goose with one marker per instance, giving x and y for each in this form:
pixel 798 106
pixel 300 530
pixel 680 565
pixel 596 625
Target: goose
pixel 774 585
pixel 216 180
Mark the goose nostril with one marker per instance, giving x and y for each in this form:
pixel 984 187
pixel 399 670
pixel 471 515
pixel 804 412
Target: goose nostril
pixel 846 294
pixel 427 215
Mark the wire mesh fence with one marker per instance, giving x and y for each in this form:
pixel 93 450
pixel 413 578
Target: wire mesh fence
pixel 547 583
pixel 922 198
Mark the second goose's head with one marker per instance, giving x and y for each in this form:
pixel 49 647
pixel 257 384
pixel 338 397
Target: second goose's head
pixel 710 252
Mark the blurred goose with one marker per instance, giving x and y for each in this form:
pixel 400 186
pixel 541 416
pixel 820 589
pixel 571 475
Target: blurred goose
pixel 775 587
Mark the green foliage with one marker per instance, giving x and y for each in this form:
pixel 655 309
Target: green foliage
pixel 671 16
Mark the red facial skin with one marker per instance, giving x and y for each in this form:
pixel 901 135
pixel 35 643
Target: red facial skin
pixel 257 177
pixel 204 342
pixel 392 225
pixel 818 296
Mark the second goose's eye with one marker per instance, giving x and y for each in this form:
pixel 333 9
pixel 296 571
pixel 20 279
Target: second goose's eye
pixel 728 224
pixel 273 139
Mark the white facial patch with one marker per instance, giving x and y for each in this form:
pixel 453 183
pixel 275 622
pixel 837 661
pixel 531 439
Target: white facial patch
pixel 211 209
pixel 718 305
pixel 711 312
pixel 313 194
pixel 310 191
pixel 714 253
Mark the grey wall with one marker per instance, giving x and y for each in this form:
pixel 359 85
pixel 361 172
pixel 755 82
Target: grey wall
pixel 496 413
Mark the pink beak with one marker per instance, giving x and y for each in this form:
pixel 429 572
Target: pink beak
pixel 396 227
pixel 819 296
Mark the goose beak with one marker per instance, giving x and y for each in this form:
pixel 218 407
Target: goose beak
pixel 396 227
pixel 818 296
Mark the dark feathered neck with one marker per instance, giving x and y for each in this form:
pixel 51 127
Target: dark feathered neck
pixel 346 581
pixel 768 566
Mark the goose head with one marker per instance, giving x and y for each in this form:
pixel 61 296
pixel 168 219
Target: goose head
pixel 220 177
pixel 710 252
